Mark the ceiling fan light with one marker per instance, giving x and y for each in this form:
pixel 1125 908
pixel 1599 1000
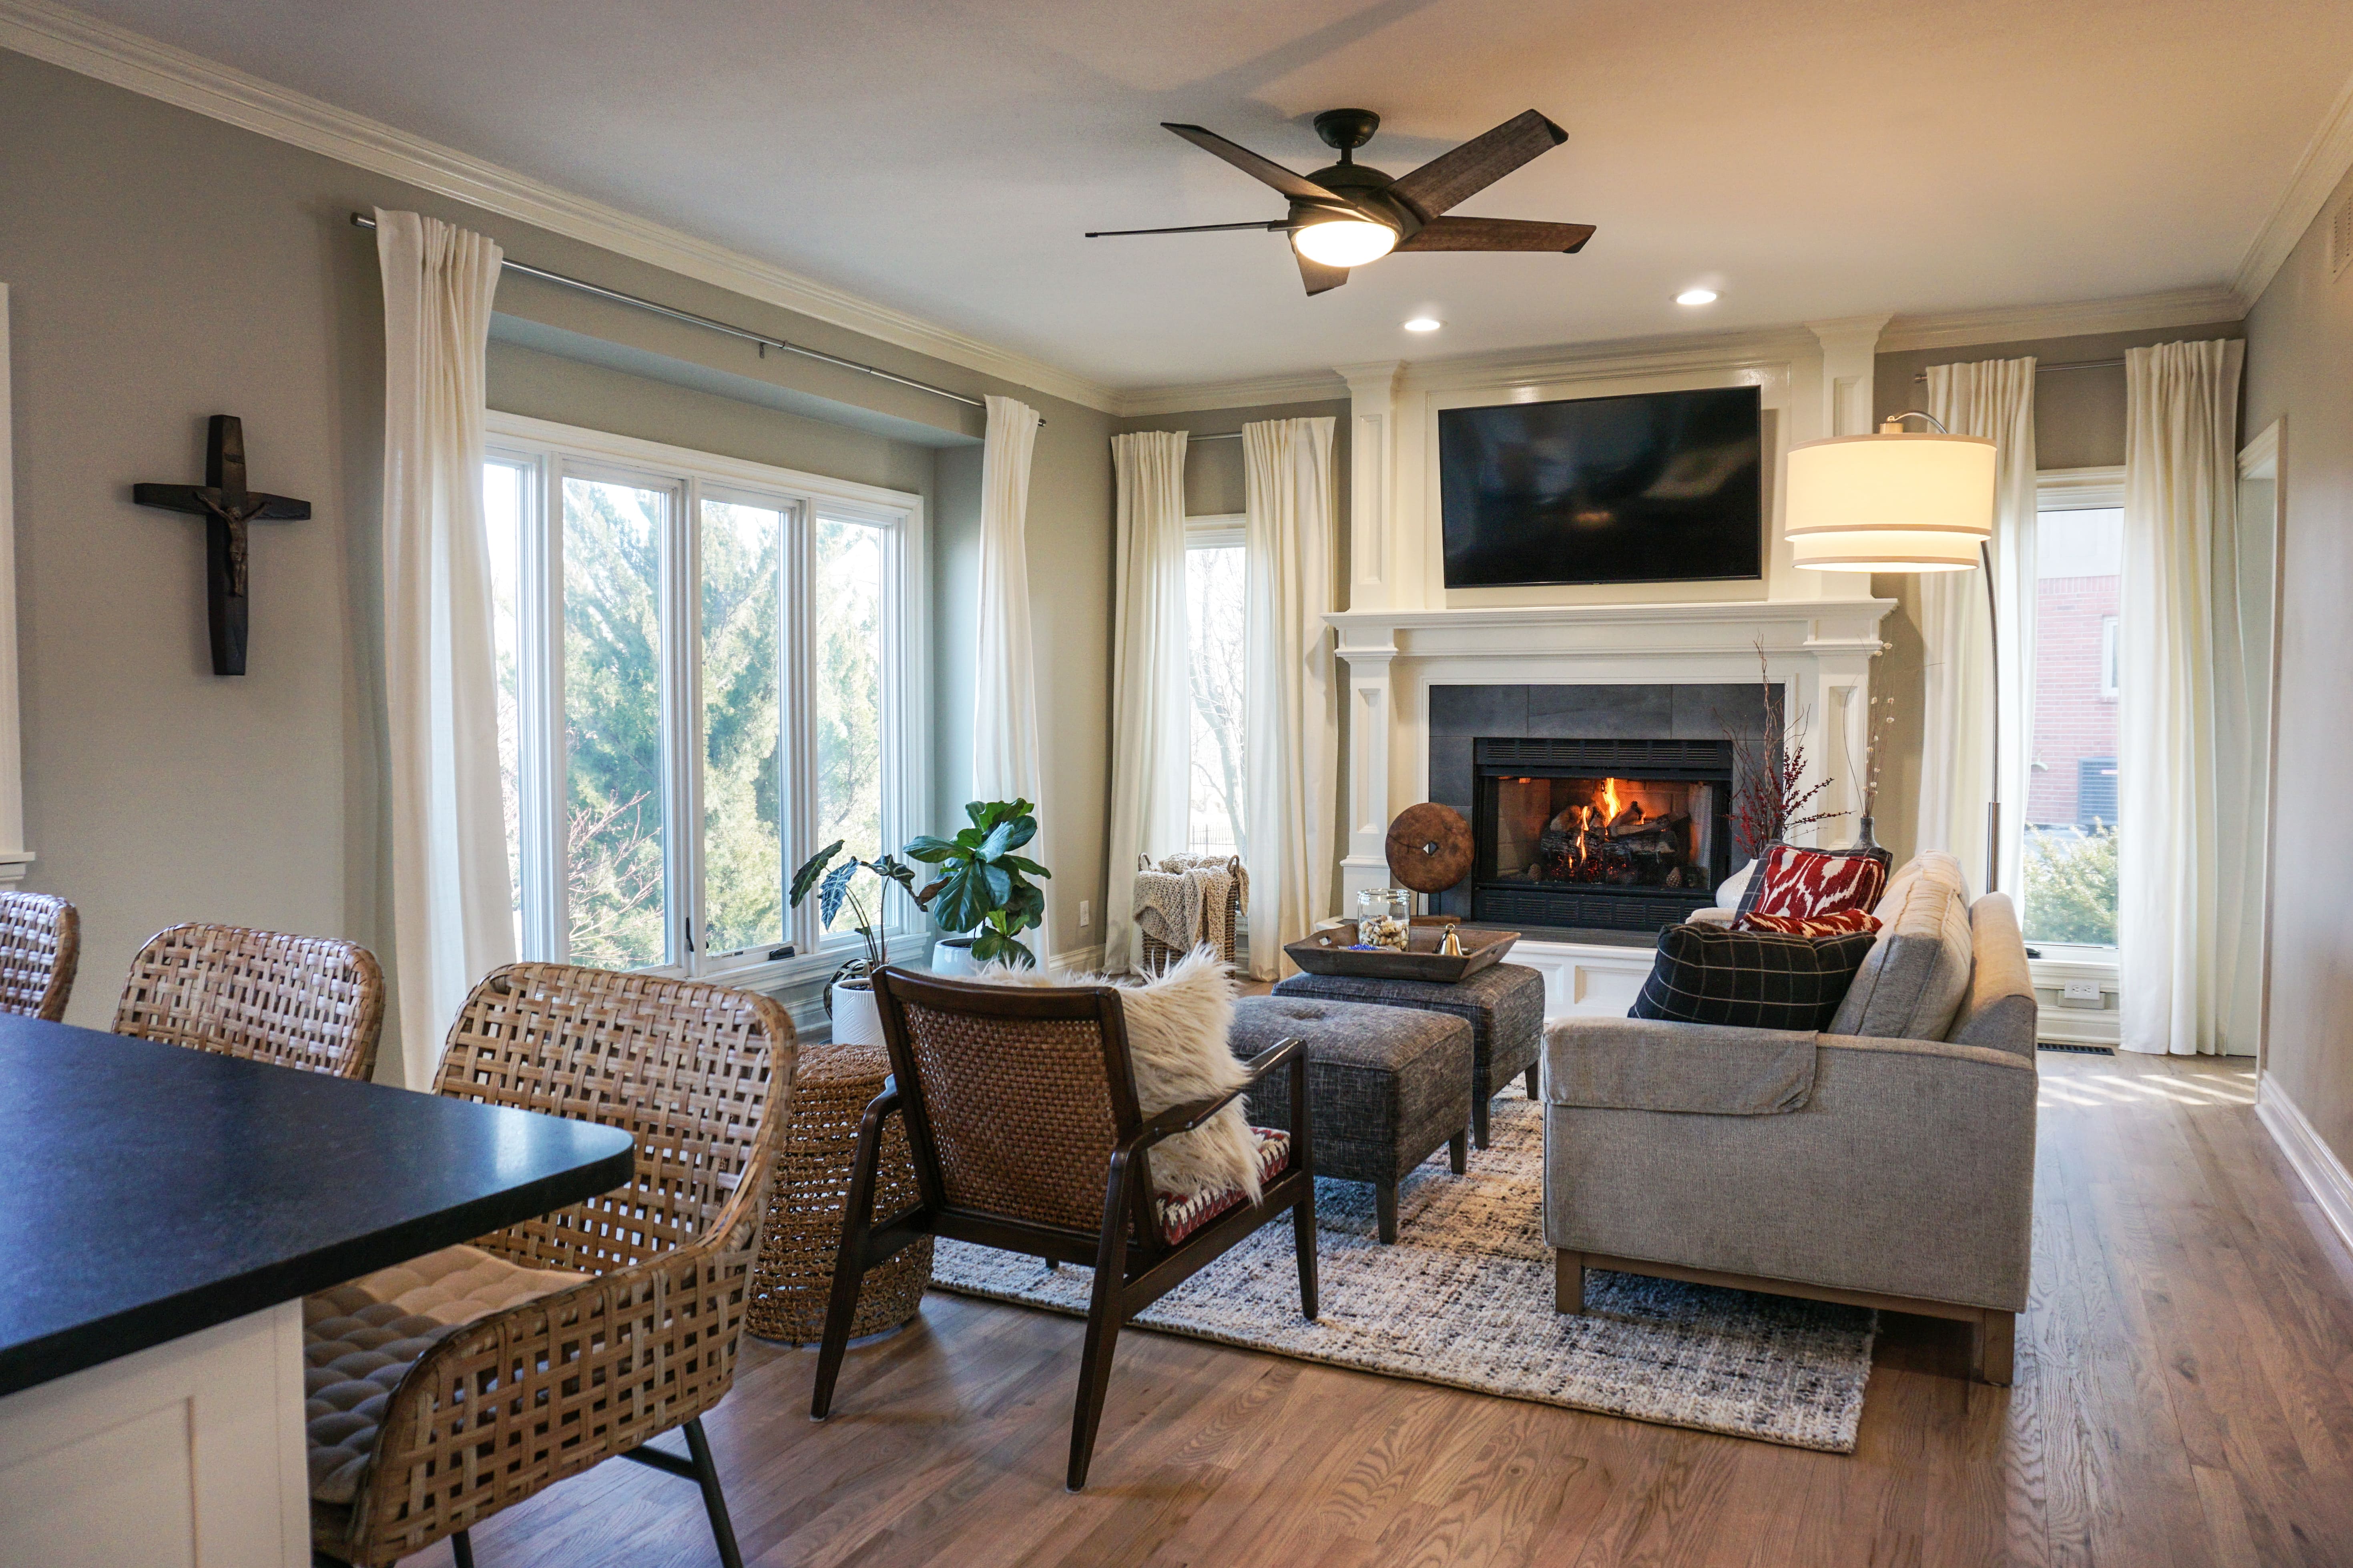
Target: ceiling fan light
pixel 1344 241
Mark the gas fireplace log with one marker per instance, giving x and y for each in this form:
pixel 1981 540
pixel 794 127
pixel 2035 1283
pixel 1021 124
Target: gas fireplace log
pixel 1655 825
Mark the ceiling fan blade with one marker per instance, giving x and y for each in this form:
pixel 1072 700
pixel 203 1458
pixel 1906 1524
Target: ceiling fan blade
pixel 1319 277
pixel 1498 234
pixel 1266 171
pixel 1455 176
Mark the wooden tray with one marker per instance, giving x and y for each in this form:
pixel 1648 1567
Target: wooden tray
pixel 1326 951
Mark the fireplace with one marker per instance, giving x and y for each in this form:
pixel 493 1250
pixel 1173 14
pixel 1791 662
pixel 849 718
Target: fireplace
pixel 1536 770
pixel 1624 835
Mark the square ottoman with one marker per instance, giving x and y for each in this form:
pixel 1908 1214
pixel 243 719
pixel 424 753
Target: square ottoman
pixel 1505 1005
pixel 1384 1087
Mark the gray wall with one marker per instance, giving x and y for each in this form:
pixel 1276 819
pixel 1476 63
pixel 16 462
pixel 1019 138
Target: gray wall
pixel 2299 346
pixel 173 267
pixel 2079 423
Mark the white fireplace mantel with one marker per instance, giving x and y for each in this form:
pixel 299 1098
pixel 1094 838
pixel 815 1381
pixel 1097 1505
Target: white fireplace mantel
pixel 1817 650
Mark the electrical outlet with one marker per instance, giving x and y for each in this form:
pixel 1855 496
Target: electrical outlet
pixel 2079 993
pixel 1086 913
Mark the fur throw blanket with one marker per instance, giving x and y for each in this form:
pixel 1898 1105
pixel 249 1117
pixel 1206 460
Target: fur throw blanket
pixel 1178 1025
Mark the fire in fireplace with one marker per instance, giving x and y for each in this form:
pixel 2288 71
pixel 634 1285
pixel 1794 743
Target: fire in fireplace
pixel 1628 835
pixel 1635 833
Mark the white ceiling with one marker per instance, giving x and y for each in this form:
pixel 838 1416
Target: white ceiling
pixel 1807 158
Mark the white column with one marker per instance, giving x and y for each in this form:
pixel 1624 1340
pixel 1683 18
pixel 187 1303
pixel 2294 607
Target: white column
pixel 1843 645
pixel 1373 559
pixel 1367 653
pixel 1850 354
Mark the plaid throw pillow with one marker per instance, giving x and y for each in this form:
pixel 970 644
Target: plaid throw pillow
pixel 1838 924
pixel 1811 883
pixel 1759 980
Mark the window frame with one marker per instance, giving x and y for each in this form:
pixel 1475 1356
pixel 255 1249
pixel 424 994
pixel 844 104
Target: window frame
pixel 2099 488
pixel 546 453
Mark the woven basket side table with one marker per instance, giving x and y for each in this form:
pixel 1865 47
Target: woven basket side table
pixel 793 1276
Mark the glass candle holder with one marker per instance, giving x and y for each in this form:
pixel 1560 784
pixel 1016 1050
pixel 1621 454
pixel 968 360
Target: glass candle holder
pixel 1383 917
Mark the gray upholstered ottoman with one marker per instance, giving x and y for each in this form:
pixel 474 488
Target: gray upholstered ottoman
pixel 1384 1087
pixel 1504 1005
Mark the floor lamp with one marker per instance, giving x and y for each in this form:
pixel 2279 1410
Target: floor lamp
pixel 1906 503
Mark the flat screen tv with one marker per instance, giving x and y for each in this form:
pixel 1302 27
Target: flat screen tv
pixel 1653 487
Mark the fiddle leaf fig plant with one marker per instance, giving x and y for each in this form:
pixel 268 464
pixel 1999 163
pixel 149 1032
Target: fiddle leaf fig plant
pixel 983 887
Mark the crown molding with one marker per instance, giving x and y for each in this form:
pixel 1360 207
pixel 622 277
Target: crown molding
pixel 1310 386
pixel 2326 162
pixel 170 75
pixel 2016 324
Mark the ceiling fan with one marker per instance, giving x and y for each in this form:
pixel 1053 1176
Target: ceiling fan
pixel 1348 215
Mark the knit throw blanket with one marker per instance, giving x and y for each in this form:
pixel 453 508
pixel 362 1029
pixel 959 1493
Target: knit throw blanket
pixel 1181 900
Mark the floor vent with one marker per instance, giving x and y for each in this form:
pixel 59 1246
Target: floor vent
pixel 2075 1050
pixel 2340 237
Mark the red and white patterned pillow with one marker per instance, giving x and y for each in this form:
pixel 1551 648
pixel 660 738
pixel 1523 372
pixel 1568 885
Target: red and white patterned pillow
pixel 1812 883
pixel 1840 923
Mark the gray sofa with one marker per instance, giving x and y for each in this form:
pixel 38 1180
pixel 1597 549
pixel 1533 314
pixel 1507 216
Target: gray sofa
pixel 1887 1161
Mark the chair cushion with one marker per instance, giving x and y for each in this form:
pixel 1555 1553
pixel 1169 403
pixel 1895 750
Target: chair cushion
pixel 361 1337
pixel 1753 979
pixel 1912 982
pixel 1813 882
pixel 1181 1215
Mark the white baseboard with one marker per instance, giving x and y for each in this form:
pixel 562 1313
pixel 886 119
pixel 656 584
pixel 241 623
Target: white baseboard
pixel 2323 1173
pixel 2078 1026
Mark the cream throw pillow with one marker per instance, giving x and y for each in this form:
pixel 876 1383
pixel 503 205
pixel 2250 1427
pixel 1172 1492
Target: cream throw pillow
pixel 1178 1025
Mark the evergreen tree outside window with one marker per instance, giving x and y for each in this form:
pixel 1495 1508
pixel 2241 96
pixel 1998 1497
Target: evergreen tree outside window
pixel 705 671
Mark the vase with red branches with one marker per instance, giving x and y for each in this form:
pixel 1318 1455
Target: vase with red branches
pixel 1770 795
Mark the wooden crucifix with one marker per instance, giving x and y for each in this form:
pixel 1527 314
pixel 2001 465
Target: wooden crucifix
pixel 226 506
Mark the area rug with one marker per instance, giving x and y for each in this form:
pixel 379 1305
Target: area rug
pixel 1465 1299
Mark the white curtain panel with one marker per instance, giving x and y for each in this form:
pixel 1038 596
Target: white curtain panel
pixel 1005 763
pixel 1290 712
pixel 1151 678
pixel 2181 478
pixel 452 904
pixel 1993 398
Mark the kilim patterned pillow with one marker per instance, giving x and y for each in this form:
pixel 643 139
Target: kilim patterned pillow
pixel 1759 979
pixel 1838 924
pixel 1809 883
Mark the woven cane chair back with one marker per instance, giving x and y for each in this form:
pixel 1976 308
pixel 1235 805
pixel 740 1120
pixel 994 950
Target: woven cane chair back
pixel 296 1001
pixel 687 1069
pixel 40 948
pixel 1019 1093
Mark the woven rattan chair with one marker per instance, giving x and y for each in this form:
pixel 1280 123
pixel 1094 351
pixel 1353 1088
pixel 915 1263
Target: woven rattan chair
pixel 40 947
pixel 308 1002
pixel 1022 1114
pixel 634 1300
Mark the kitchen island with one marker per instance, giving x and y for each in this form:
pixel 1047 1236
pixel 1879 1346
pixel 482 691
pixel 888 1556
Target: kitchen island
pixel 163 1212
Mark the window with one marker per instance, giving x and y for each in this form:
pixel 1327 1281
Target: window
pixel 2068 840
pixel 707 670
pixel 1215 582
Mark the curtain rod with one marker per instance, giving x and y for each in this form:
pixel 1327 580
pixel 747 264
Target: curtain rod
pixel 2070 364
pixel 362 220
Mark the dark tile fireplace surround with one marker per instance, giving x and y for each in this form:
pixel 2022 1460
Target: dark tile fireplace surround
pixel 1559 849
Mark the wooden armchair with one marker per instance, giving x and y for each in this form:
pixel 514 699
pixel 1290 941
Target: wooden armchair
pixel 40 948
pixel 305 1002
pixel 1022 1118
pixel 614 1321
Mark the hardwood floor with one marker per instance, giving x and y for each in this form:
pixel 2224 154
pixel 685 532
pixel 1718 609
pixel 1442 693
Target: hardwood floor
pixel 2184 1396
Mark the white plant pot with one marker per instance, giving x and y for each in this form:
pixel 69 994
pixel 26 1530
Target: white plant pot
pixel 952 955
pixel 856 1020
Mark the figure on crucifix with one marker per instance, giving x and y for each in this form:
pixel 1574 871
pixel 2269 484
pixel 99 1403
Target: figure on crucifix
pixel 226 506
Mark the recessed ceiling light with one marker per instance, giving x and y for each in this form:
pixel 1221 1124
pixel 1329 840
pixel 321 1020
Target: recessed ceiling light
pixel 1424 324
pixel 1696 297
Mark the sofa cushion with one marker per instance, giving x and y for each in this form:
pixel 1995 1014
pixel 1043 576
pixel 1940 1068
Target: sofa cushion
pixel 1759 979
pixel 1646 1064
pixel 1810 883
pixel 1913 980
pixel 1999 1009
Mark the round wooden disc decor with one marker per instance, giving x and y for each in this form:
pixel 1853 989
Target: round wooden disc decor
pixel 1429 847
